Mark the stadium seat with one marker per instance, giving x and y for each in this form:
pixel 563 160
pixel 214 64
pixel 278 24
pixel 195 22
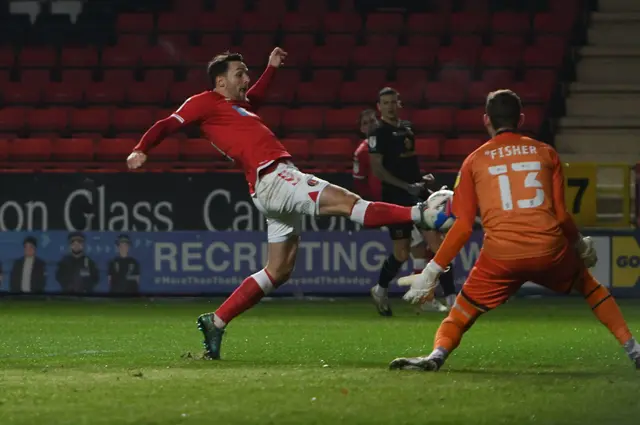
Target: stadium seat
pixel 459 77
pixel 426 23
pixel 412 57
pixel 508 41
pixel 553 23
pixel 92 119
pixel 121 77
pixel 298 148
pixel 299 47
pixel 330 57
pixel 411 89
pixel 372 56
pixel 337 22
pixel 345 119
pixel 510 23
pixel 35 77
pixel 50 119
pixel 478 91
pixel 73 150
pixel 199 150
pixel 355 92
pixel 441 93
pixel 114 149
pixel 80 77
pixel 295 22
pixel 168 150
pixel 542 57
pixel 7 57
pixel 382 41
pixel 62 93
pixel 307 119
pixel 272 116
pixel 102 93
pixel 37 57
pixel 466 42
pixel 170 22
pixel 311 92
pixel 433 120
pixel 384 23
pixel 458 149
pixel 328 77
pixel 174 43
pixel 132 119
pixel 375 78
pixel 427 148
pixel 469 120
pixel 119 57
pixel 133 41
pixel 312 7
pixel 498 77
pixel 424 42
pixel 182 90
pixel 12 119
pixel 35 149
pixel 160 56
pixel 500 57
pixel 332 149
pixel 79 57
pixel 534 116
pixel 21 94
pixel 476 23
pixel 162 78
pixel 141 23
pixel 256 22
pixel 146 93
pixel 4 148
pixel 453 56
pixel 215 22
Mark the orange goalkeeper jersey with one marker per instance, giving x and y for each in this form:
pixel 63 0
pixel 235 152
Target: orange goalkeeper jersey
pixel 518 185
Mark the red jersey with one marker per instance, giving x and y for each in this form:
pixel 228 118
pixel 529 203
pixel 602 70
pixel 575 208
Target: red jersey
pixel 232 127
pixel 365 182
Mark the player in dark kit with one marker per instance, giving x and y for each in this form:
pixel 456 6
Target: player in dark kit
pixel 394 162
pixel 124 270
pixel 227 117
pixel 76 272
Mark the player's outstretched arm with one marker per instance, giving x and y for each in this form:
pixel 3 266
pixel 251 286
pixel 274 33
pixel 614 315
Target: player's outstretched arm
pixel 258 91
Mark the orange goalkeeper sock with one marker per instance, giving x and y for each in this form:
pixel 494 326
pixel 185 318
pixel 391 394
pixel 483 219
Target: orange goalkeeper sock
pixel 606 309
pixel 460 319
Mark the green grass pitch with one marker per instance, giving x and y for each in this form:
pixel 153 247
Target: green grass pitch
pixel 532 361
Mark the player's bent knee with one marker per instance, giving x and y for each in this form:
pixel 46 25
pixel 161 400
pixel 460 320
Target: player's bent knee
pixel 401 251
pixel 336 200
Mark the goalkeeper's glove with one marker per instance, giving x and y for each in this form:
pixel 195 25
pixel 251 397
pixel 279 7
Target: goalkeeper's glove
pixel 424 284
pixel 587 251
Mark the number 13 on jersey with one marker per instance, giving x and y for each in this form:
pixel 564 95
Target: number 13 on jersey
pixel 530 172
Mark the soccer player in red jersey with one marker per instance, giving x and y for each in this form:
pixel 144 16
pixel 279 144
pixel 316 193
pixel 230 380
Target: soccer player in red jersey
pixel 365 182
pixel 227 117
pixel 518 185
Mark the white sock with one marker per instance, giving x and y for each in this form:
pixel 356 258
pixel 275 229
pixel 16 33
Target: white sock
pixel 419 264
pixel 358 211
pixel 415 215
pixel 451 299
pixel 439 352
pixel 379 290
pixel 632 348
pixel 218 323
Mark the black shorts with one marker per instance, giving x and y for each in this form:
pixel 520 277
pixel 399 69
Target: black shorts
pixel 400 231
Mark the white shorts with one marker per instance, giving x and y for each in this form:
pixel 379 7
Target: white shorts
pixel 416 237
pixel 284 196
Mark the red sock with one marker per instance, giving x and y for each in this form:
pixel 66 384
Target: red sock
pixel 378 214
pixel 248 294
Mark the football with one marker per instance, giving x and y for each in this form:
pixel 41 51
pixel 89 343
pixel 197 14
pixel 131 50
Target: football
pixel 438 215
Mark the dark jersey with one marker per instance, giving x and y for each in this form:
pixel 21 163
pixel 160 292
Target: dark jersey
pixel 124 274
pixel 77 274
pixel 397 147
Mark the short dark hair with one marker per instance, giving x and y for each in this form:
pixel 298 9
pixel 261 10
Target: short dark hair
pixel 503 108
pixel 364 113
pixel 385 91
pixel 30 240
pixel 219 65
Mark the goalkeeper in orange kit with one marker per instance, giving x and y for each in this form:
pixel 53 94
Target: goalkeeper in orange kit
pixel 518 185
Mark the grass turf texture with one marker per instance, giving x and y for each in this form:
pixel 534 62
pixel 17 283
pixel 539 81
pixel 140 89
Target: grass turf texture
pixel 100 362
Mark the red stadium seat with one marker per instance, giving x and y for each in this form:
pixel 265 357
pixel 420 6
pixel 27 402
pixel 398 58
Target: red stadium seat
pixel 35 77
pixel 12 119
pixel 199 150
pixel 383 41
pixel 294 22
pixel 327 76
pixel 428 148
pixel 174 42
pixel 384 22
pixel 215 22
pixel 469 120
pixel 281 93
pixel 372 56
pixel 133 41
pixel 76 149
pixel 311 92
pixel 299 47
pixel 146 93
pixel 104 93
pixel 4 148
pixel 475 23
pixel 119 57
pixel 508 41
pixel 78 57
pixel 358 92
pixel 51 119
pixel 231 9
pixel 478 91
pixel 63 93
pixel 500 57
pixel 533 118
pixel 168 150
pixel 312 7
pixel 7 57
pixel 35 149
pixel 332 149
pixel 169 22
pixel 340 22
pixel 345 119
pixel 498 77
pixel 37 57
pixel 426 23
pixel 160 77
pixel 271 9
pixel 372 77
pixel 92 119
pixel 80 77
pixel 460 148
pixel 121 77
pixel 453 56
pixel 134 23
pixel 433 120
pixel 410 56
pixel 467 42
pixel 216 42
pixel 531 93
pixel 445 93
pixel 459 77
pixel 329 57
pixel 256 22
pixel 195 75
pixel 553 23
pixel 541 57
pixel 181 91
pixel 424 42
pixel 4 76
pixel 21 94
pixel 114 149
pixel 272 116
pixel 511 23
pixel 133 119
pixel 543 77
pixel 411 90
pixel 160 56
pixel 307 119
pixel 298 148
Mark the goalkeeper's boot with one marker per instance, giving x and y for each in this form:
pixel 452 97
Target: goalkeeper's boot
pixel 426 363
pixel 212 336
pixel 633 351
pixel 381 300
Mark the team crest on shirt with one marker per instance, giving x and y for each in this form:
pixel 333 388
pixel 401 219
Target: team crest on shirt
pixel 372 142
pixel 312 182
